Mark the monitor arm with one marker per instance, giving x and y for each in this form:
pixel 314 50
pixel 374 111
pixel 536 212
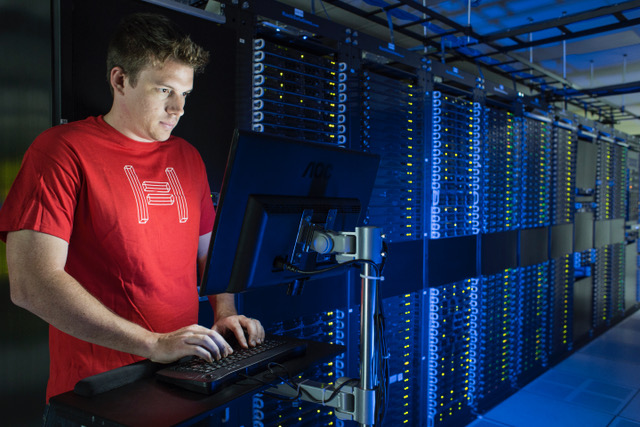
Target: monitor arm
pixel 355 402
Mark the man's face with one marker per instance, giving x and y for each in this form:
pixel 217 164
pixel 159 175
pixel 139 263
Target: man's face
pixel 156 103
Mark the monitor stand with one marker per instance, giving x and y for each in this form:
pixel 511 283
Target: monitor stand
pixel 353 399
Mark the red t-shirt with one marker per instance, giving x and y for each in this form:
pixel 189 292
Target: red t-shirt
pixel 132 213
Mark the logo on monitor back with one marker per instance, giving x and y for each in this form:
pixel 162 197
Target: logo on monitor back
pixel 318 170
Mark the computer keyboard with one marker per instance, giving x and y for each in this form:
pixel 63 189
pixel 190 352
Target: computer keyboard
pixel 198 375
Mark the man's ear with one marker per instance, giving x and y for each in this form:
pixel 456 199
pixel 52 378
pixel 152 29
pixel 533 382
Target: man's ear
pixel 116 79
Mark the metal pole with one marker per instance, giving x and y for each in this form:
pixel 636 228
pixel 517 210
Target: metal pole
pixel 367 330
pixel 369 248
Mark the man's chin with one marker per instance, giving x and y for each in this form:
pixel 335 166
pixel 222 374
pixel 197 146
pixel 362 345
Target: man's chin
pixel 162 136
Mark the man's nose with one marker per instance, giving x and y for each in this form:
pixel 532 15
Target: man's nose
pixel 176 105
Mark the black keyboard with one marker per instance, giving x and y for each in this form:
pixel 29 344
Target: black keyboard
pixel 196 374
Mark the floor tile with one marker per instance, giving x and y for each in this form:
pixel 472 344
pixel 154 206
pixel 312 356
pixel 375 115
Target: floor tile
pixel 614 351
pixel 632 410
pixel 625 332
pixel 597 386
pixel 623 422
pixel 614 372
pixel 598 402
pixel 481 422
pixel 526 409
pixel 582 390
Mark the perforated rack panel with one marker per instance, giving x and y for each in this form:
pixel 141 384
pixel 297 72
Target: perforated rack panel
pixel 617 281
pixel 602 278
pixel 532 313
pixel 494 331
pixel 298 94
pixel 403 334
pixel 605 181
pixel 455 167
pixel 449 337
pixel 561 305
pixel 563 176
pixel 633 189
pixel 536 159
pixel 392 126
pixel 619 196
pixel 501 171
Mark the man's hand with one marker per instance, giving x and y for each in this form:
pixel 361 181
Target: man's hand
pixel 194 340
pixel 248 332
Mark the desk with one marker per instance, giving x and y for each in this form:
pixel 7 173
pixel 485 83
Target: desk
pixel 148 402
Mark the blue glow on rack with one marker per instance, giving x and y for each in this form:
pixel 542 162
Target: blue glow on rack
pixel 298 94
pixel 493 338
pixel 392 127
pixel 449 353
pixel 501 172
pixel 455 167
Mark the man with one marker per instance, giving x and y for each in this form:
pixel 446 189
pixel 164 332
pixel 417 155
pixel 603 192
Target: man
pixel 108 216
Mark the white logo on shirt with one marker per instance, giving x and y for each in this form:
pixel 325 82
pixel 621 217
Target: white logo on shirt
pixel 157 193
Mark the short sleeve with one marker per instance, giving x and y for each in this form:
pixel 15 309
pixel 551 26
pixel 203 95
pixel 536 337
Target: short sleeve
pixel 44 194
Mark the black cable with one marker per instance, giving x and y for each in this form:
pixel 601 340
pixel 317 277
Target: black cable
pixel 334 393
pixel 280 263
pixel 383 362
pixel 296 386
pixel 382 398
pixel 286 381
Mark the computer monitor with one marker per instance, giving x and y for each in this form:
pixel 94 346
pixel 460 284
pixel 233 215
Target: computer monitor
pixel 271 186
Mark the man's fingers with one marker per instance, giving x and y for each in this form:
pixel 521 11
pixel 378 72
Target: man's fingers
pixel 253 328
pixel 202 353
pixel 216 344
pixel 248 332
pixel 202 344
pixel 255 331
pixel 238 331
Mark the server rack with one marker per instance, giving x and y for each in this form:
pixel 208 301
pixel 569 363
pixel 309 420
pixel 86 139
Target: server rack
pixel 449 337
pixel 494 332
pixel 501 171
pixel 402 317
pixel 455 166
pixel 392 127
pixel 535 137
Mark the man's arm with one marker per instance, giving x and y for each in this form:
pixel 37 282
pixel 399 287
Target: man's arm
pixel 40 284
pixel 248 332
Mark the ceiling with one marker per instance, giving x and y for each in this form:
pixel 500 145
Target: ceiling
pixel 583 55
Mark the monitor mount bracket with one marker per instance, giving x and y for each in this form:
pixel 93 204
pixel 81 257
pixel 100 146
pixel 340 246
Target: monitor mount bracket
pixel 355 402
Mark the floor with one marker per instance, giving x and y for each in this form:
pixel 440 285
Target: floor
pixel 597 386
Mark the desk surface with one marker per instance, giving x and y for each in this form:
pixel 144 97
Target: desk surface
pixel 151 402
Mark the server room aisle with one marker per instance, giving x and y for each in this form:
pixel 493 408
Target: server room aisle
pixel 597 386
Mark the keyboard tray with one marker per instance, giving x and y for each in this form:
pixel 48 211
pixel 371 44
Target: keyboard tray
pixel 198 375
